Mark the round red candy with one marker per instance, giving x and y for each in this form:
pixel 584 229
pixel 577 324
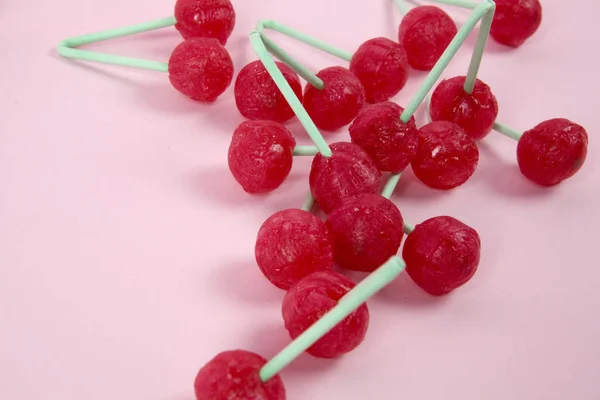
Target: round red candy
pixel 347 172
pixel 367 230
pixel 201 69
pixel 258 97
pixel 552 151
pixel 338 103
pixel 515 21
pixel 425 32
pixel 475 113
pixel 314 296
pixel 391 143
pixel 260 155
pixel 205 18
pixel 382 67
pixel 447 156
pixel 441 254
pixel 235 375
pixel 292 244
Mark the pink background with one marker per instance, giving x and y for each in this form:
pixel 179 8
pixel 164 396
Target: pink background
pixel 126 248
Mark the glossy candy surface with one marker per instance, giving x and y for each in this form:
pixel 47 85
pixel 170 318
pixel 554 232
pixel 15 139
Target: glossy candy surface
pixel 552 151
pixel 475 113
pixel 515 21
pixel 447 156
pixel 292 244
pixel 201 69
pixel 367 230
pixel 347 172
pixel 382 67
pixel 258 97
pixel 260 155
pixel 312 297
pixel 391 143
pixel 205 18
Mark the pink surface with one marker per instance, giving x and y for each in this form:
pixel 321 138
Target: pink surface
pixel 126 248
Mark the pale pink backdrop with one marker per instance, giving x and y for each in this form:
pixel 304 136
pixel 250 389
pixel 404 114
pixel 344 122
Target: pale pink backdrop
pixel 126 248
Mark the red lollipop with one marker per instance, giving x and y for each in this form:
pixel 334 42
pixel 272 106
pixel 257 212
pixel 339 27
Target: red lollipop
pixel 205 18
pixel 475 113
pixel 292 244
pixel 258 97
pixel 260 155
pixel 382 67
pixel 235 375
pixel 367 230
pixel 515 21
pixel 391 143
pixel 338 103
pixel 314 296
pixel 441 254
pixel 347 172
pixel 425 32
pixel 552 151
pixel 201 69
pixel 447 156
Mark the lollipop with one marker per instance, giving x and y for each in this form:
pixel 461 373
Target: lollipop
pixel 515 21
pixel 205 18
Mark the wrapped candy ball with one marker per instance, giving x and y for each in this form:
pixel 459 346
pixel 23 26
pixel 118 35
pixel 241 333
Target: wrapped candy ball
pixel 347 172
pixel 475 113
pixel 515 21
pixel 205 18
pixel 382 67
pixel 258 97
pixel 391 143
pixel 441 254
pixel 552 151
pixel 367 230
pixel 425 32
pixel 260 155
pixel 292 244
pixel 314 296
pixel 235 375
pixel 447 156
pixel 338 103
pixel 201 69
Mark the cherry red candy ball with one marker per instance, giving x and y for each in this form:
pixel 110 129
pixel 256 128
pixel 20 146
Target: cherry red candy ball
pixel 441 254
pixel 201 69
pixel 234 375
pixel 425 32
pixel 515 21
pixel 292 244
pixel 552 151
pixel 367 230
pixel 258 97
pixel 314 296
pixel 391 143
pixel 382 67
pixel 205 18
pixel 447 156
pixel 338 103
pixel 475 113
pixel 347 172
pixel 260 155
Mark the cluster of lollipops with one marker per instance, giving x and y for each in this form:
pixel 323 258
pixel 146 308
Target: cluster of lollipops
pixel 323 310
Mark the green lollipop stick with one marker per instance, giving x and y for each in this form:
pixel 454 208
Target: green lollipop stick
pixel 309 202
pixel 305 150
pixel 402 6
pixel 388 189
pixel 482 37
pixel 459 3
pixel 507 131
pixel 67 48
pixel 345 306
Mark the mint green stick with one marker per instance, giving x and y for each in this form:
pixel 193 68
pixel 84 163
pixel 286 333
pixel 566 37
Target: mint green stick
pixel 482 37
pixel 288 93
pixel 309 202
pixel 346 305
pixel 402 6
pixel 285 58
pixel 444 60
pixel 66 48
pixel 305 150
pixel 304 38
pixel 387 191
pixel 459 3
pixel 507 131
